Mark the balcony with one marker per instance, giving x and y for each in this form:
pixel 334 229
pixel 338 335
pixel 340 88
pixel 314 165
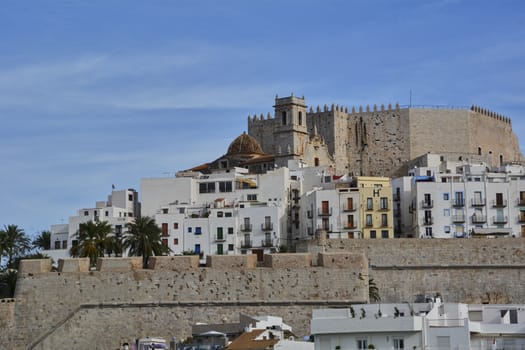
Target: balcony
pixel 477 202
pixel 349 226
pixel 428 221
pixel 397 213
pixel 521 202
pixel 458 218
pixel 246 228
pixel 267 243
pixel 247 243
pixel 220 238
pixel 499 220
pixel 478 219
pixel 426 204
pixel 499 203
pixel 348 208
pixel 397 197
pixel 321 212
pixel 458 202
pixel 327 228
pixel 521 218
pixel 267 226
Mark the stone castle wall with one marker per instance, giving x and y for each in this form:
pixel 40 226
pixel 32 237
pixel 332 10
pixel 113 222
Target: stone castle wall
pixel 381 140
pixel 64 310
pixel 462 270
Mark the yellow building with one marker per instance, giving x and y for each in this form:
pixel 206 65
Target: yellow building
pixel 376 209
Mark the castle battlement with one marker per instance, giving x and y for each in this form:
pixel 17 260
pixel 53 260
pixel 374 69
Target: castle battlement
pixel 491 114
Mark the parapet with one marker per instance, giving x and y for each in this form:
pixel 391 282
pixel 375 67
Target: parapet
pixel 231 262
pixel 119 264
pixel 289 260
pixel 174 263
pixel 73 265
pixel 342 260
pixel 33 266
pixel 491 114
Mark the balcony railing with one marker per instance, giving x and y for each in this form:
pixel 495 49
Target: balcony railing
pixel 267 226
pixel 478 219
pixel 327 228
pixel 267 243
pixel 348 208
pixel 458 218
pixel 425 204
pixel 458 202
pixel 246 228
pixel 321 212
pixel 220 238
pixel 477 202
pixel 397 197
pixel 349 226
pixel 428 221
pixel 498 220
pixel 499 204
pixel 247 243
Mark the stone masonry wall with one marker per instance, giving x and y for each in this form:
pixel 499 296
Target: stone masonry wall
pixel 119 299
pixel 462 270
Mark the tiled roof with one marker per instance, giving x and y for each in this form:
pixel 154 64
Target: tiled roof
pixel 247 341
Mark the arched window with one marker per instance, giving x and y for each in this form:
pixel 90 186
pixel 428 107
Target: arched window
pixel 479 151
pixel 283 114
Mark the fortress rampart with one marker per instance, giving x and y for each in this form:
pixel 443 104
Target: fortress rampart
pixel 79 308
pixel 381 140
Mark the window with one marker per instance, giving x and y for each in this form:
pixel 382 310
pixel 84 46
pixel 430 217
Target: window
pixel 230 247
pixel 445 197
pixel 384 234
pixel 86 213
pixel 228 214
pixel 164 229
pixel 283 116
pixel 252 197
pixel 118 230
pixel 362 344
pixel 176 225
pixel 64 244
pixel 220 234
pixel 446 212
pixel 220 249
pixel 130 197
pixel 220 214
pixel 107 213
pixel 399 343
pixel 57 244
pixel 230 230
pixel 316 161
pixel 369 204
pixel 373 234
pixel 189 229
pixel 165 211
pixel 368 219
pixel 175 241
pixel 446 229
pixel 165 242
pixel 428 232
pixel 197 248
pixel 207 187
pixel 384 220
pixel 384 203
pixel 225 186
pixel 198 230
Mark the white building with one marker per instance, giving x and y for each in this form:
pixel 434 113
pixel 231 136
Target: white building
pixel 119 209
pixel 445 199
pixel 433 325
pixel 224 212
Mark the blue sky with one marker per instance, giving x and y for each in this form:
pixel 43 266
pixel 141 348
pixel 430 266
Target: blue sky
pixel 95 93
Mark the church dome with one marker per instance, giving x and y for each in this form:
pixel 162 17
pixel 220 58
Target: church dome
pixel 244 144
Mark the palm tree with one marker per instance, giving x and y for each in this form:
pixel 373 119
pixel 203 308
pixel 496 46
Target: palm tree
pixel 92 240
pixel 14 242
pixel 143 239
pixel 8 279
pixel 43 241
pixel 373 291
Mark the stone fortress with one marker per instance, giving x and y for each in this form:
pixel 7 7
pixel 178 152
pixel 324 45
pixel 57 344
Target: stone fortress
pixel 380 141
pixel 76 307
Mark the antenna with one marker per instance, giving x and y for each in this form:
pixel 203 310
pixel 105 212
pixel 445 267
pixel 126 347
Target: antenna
pixel 410 100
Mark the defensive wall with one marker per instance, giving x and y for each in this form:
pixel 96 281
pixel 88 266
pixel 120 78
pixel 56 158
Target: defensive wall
pixel 79 308
pixel 471 270
pixel 381 140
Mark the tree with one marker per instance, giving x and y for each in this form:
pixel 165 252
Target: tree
pixel 373 291
pixel 8 280
pixel 14 242
pixel 143 239
pixel 43 241
pixel 93 238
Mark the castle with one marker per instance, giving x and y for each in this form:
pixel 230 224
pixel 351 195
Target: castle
pixel 380 141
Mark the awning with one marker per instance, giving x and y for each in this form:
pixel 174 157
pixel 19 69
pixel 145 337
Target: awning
pixel 492 231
